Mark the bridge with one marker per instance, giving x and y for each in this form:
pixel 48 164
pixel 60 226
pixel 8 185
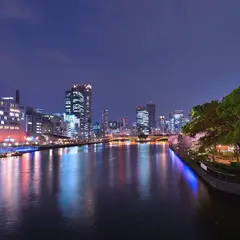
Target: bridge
pixel 136 138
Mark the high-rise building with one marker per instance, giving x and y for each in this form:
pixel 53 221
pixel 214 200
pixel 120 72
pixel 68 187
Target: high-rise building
pixel 104 122
pixel 68 102
pixel 151 108
pixel 97 129
pixel 72 126
pixel 175 121
pixel 124 122
pixel 10 127
pixel 78 102
pixel 142 120
pixel 33 122
pixel 162 124
pixel 113 125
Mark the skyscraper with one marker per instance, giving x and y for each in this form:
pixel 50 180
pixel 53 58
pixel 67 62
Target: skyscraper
pixel 175 121
pixel 104 122
pixel 162 124
pixel 78 101
pixel 142 120
pixel 151 108
pixel 124 122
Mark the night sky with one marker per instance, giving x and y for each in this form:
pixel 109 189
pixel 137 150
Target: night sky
pixel 176 53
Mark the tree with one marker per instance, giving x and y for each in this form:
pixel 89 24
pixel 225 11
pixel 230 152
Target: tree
pixel 219 121
pixel 229 112
pixel 204 118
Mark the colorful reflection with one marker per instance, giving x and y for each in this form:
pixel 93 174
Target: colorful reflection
pixel 37 173
pixel 144 169
pixel 69 184
pixel 188 174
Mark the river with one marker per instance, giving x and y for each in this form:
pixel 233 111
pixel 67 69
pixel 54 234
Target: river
pixel 110 191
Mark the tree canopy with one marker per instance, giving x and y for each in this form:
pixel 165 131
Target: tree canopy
pixel 219 121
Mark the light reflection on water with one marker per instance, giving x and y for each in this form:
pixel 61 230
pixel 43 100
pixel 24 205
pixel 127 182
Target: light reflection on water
pixel 144 169
pixel 80 186
pixel 188 174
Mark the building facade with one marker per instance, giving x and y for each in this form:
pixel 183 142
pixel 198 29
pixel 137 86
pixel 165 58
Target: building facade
pixel 162 124
pixel 142 120
pixel 78 102
pixel 151 108
pixel 176 121
pixel 33 122
pixel 105 123
pixel 10 127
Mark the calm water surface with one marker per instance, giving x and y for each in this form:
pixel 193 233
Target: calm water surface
pixel 119 191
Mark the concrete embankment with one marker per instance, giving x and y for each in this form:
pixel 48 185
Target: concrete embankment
pixel 224 186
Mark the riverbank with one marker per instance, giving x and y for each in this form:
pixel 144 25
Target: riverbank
pixel 29 149
pixel 224 186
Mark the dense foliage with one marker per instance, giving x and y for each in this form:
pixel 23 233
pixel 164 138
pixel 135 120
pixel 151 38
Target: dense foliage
pixel 219 121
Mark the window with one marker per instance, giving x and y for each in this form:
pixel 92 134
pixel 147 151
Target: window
pixel 1 112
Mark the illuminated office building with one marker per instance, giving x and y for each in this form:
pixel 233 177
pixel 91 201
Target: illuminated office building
pixel 97 129
pixel 176 121
pixel 162 124
pixel 124 123
pixel 10 127
pixel 151 108
pixel 105 122
pixel 72 126
pixel 78 102
pixel 33 121
pixel 142 119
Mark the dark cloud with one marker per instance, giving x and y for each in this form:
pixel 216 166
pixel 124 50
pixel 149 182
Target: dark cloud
pixel 176 53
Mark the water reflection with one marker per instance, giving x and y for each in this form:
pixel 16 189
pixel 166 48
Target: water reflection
pixel 137 185
pixel 144 169
pixel 70 184
pixel 36 174
pixel 128 168
pixel 187 173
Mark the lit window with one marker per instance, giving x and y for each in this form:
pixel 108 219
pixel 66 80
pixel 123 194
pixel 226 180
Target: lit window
pixel 1 112
pixel 29 123
pixel 16 114
pixel 5 118
pixel 2 122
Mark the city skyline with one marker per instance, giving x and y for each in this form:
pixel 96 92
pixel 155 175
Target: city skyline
pixel 176 54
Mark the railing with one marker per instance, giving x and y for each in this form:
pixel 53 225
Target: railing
pixel 218 174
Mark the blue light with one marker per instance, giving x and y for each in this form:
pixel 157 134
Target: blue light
pixel 18 149
pixel 188 174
